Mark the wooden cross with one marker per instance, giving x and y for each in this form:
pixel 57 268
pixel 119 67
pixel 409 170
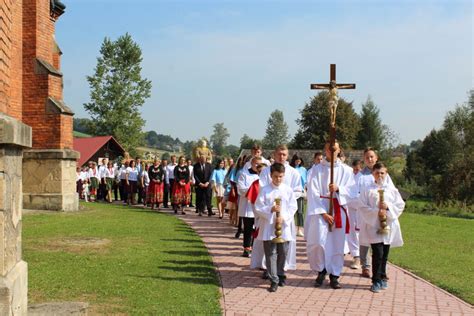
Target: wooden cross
pixel 319 86
pixel 332 86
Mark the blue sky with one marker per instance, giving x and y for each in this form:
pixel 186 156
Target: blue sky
pixel 237 61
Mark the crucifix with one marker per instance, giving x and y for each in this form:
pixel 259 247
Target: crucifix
pixel 332 86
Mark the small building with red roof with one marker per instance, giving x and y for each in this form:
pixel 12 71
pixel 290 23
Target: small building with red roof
pixel 94 148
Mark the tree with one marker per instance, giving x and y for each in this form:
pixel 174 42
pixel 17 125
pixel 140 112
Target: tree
pixel 371 133
pixel 232 151
pixel 247 142
pixel 277 130
pixel 219 139
pixel 83 125
pixel 118 91
pixel 314 124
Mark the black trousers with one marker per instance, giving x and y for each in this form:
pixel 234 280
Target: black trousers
pixel 166 190
pixel 379 261
pixel 248 230
pixel 115 188
pixel 203 199
pixel 123 190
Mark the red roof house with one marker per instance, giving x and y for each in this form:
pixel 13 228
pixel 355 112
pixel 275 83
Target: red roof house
pixel 94 148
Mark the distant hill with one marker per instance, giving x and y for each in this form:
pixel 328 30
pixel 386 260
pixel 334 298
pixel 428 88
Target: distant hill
pixel 80 135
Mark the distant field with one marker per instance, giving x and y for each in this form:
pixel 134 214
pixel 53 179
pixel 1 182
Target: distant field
pixel 440 250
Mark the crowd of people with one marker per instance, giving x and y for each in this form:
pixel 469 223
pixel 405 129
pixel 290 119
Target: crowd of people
pixel 271 202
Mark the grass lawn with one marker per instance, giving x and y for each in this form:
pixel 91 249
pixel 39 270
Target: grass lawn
pixel 120 260
pixel 440 250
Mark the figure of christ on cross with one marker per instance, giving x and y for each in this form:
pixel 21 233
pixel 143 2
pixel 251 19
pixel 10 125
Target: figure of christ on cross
pixel 332 86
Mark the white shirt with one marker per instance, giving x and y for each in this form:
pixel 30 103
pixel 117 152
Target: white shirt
pixel 170 170
pixel 263 208
pixel 369 200
pixel 191 173
pixel 122 172
pixel 132 174
pixel 93 173
pixel 102 171
pixel 243 185
pixel 146 178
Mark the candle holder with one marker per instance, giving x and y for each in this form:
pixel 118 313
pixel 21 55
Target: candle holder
pixel 278 226
pixel 384 228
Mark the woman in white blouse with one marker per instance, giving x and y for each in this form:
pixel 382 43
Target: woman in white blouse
pixel 131 178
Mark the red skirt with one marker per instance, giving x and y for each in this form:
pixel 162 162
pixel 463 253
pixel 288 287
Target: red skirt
pixel 181 193
pixel 233 196
pixel 155 192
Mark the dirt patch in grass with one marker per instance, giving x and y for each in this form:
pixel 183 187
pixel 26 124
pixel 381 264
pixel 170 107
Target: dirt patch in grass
pixel 75 245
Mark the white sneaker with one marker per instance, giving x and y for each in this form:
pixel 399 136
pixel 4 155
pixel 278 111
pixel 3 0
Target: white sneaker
pixel 300 232
pixel 355 263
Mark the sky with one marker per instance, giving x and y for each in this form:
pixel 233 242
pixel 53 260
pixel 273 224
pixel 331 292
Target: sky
pixel 236 61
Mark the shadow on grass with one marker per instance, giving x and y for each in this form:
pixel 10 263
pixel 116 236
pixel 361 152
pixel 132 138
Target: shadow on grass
pixel 195 280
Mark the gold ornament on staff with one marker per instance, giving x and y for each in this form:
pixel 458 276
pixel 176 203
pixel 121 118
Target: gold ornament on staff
pixel 384 228
pixel 278 226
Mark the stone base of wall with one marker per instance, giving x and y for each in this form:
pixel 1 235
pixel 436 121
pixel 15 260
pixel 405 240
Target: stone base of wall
pixel 14 290
pixel 49 179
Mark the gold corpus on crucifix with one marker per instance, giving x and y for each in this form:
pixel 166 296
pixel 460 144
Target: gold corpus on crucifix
pixel 332 86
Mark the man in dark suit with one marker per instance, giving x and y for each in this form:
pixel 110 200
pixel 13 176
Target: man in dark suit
pixel 202 177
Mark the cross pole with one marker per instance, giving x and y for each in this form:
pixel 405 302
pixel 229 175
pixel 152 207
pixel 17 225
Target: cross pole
pixel 332 86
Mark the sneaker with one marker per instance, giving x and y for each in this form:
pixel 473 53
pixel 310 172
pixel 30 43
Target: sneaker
pixel 384 284
pixel 282 280
pixel 273 287
pixel 375 288
pixel 320 279
pixel 334 282
pixel 366 273
pixel 355 264
pixel 300 232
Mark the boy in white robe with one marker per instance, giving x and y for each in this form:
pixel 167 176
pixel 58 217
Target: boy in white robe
pixel 371 210
pixel 325 249
pixel 275 198
pixel 353 237
pixel 246 207
pixel 292 179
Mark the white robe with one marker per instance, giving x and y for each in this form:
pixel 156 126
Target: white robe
pixel 325 249
pixel 243 185
pixel 353 236
pixel 368 213
pixel 366 179
pixel 263 208
pixel 293 180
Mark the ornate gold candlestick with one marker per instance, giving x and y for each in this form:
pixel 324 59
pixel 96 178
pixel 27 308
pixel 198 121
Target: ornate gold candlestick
pixel 384 228
pixel 278 226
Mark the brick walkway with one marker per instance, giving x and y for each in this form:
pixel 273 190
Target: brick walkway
pixel 245 293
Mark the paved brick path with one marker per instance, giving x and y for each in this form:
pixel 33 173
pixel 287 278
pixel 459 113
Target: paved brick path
pixel 245 293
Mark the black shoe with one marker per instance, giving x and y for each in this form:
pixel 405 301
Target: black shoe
pixel 200 214
pixel 209 214
pixel 183 213
pixel 334 282
pixel 190 205
pixel 197 211
pixel 320 279
pixel 246 254
pixel 273 287
pixel 282 280
pixel 265 275
pixel 237 234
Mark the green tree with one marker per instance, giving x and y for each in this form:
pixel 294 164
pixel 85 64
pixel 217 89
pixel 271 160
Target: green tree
pixel 371 133
pixel 83 125
pixel 219 139
pixel 246 142
pixel 118 91
pixel 314 124
pixel 277 130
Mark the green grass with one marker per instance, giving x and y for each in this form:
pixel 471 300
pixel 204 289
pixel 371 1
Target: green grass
pixel 440 250
pixel 150 263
